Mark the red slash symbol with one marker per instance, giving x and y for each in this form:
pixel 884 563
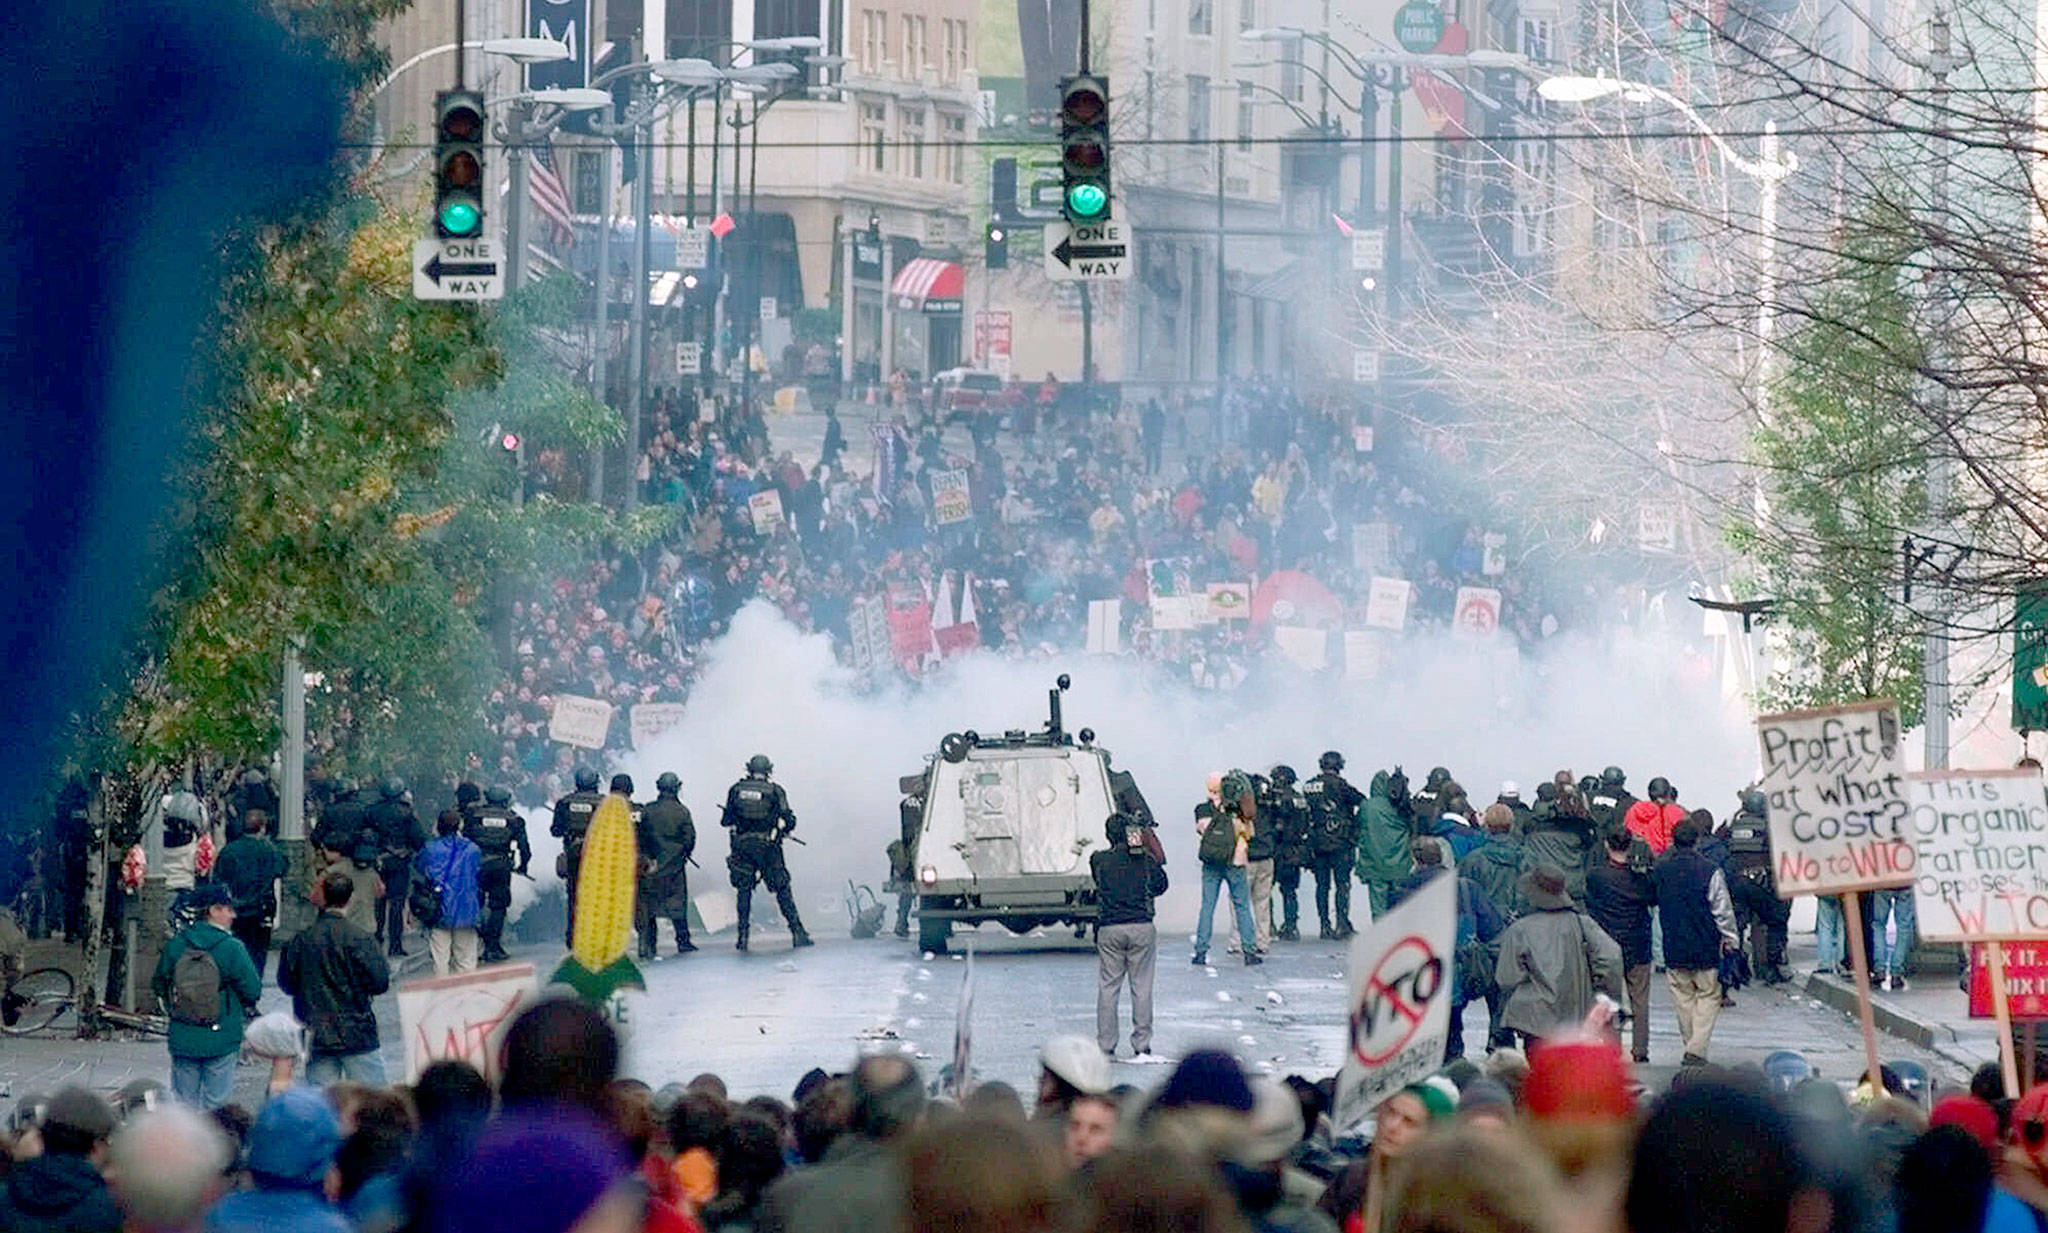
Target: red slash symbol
pixel 1397 997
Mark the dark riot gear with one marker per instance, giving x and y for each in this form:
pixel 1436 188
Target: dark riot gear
pixel 394 788
pixel 757 810
pixel 1753 801
pixel 1284 809
pixel 1613 777
pixel 586 779
pixel 498 832
pixel 1331 761
pixel 1760 916
pixel 1333 840
pixel 760 765
pixel 668 783
pixel 622 784
pixel 668 837
pixel 1661 790
pixel 573 815
pixel 1438 777
pixel 497 796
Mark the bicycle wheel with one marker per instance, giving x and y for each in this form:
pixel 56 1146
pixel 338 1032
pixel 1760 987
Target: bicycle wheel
pixel 37 999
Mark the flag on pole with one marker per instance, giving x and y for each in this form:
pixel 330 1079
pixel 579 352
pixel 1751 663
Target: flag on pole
pixel 550 196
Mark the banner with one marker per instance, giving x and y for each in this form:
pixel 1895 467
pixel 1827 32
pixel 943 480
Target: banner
pixel 1230 601
pixel 1386 604
pixel 766 509
pixel 650 719
pixel 2026 981
pixel 950 500
pixel 1402 981
pixel 1305 648
pixel 1105 626
pixel 1839 815
pixel 462 1018
pixel 582 722
pixel 910 626
pixel 1170 612
pixel 1477 614
pixel 1975 839
pixel 2030 660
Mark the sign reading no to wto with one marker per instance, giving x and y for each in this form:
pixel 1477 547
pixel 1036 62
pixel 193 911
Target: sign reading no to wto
pixel 1838 808
pixel 1401 986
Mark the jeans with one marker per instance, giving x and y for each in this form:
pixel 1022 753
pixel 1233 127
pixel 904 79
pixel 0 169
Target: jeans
pixel 1891 956
pixel 205 1083
pixel 1240 898
pixel 366 1068
pixel 1124 952
pixel 1829 936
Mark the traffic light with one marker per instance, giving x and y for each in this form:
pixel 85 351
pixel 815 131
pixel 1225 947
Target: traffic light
pixel 998 248
pixel 459 164
pixel 1084 148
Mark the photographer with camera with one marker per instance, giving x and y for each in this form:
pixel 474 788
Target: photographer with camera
pixel 1128 877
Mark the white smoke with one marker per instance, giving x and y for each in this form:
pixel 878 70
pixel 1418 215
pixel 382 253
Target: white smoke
pixel 1476 708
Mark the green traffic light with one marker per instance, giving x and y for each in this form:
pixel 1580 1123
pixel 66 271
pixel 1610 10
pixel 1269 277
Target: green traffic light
pixel 459 219
pixel 1087 200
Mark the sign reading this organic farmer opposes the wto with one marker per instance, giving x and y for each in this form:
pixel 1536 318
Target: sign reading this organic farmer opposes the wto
pixel 1981 842
pixel 1838 806
pixel 1402 980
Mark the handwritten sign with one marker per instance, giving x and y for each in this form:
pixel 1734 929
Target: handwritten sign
pixel 581 722
pixel 1980 841
pixel 1372 545
pixel 1401 987
pixel 1230 601
pixel 651 719
pixel 1386 604
pixel 2026 982
pixel 1477 614
pixel 1839 814
pixel 1307 649
pixel 765 508
pixel 462 1018
pixel 950 502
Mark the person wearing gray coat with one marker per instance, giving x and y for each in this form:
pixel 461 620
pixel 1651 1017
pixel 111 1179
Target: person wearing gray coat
pixel 1553 960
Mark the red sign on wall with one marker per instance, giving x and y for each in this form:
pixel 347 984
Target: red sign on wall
pixel 2026 981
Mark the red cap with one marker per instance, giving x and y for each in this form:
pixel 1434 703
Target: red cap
pixel 1969 1114
pixel 2033 1107
pixel 1578 1081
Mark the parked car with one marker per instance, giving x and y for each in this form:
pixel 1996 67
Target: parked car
pixel 968 392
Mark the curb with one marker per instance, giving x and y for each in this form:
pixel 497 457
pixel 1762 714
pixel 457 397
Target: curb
pixel 1932 1035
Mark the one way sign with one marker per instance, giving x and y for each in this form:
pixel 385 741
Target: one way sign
pixel 1085 252
pixel 456 270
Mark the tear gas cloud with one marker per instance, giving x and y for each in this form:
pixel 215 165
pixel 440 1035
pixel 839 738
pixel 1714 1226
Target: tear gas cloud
pixel 1478 709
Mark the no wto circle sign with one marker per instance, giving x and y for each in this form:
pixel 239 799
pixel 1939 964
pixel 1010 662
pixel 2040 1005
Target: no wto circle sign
pixel 1397 996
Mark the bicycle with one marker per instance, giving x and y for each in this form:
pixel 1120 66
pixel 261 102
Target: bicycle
pixel 35 1000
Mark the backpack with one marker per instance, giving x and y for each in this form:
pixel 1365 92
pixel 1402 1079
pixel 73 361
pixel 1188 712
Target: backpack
pixel 423 899
pixel 196 988
pixel 1219 842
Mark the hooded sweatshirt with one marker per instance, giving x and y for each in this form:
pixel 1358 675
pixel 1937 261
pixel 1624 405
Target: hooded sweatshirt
pixel 1383 854
pixel 291 1148
pixel 57 1194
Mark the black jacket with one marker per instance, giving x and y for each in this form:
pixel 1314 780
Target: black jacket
pixel 1126 883
pixel 1688 886
pixel 1619 899
pixel 57 1194
pixel 333 971
pixel 250 867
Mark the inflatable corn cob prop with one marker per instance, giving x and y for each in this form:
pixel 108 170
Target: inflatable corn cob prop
pixel 605 884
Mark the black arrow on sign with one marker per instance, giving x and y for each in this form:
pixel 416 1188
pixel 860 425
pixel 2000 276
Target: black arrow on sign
pixel 1067 251
pixel 436 267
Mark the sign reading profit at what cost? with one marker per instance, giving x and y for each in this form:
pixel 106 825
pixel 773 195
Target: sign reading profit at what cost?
pixel 1979 841
pixel 1838 807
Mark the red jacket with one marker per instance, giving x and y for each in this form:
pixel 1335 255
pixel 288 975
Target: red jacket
pixel 1653 823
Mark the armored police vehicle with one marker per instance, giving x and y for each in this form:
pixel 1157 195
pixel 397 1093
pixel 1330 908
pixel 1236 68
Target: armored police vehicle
pixel 1008 825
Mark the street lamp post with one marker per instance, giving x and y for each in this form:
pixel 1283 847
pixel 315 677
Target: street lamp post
pixel 533 117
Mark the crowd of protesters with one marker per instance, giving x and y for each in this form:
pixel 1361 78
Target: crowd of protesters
pixel 1563 1139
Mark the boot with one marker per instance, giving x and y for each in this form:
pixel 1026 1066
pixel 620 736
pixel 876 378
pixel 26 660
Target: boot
pixel 746 917
pixel 787 903
pixel 683 943
pixel 740 943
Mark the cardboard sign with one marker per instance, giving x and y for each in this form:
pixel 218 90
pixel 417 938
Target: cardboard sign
pixel 1170 612
pixel 950 501
pixel 462 1018
pixel 1477 614
pixel 1976 838
pixel 1362 654
pixel 1361 438
pixel 2026 981
pixel 1839 815
pixel 1493 560
pixel 1105 626
pixel 1386 604
pixel 1230 601
pixel 765 508
pixel 582 722
pixel 1304 647
pixel 1372 545
pixel 651 719
pixel 1402 982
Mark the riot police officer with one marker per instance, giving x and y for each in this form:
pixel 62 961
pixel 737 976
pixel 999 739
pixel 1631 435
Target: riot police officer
pixel 757 810
pixel 1760 915
pixel 903 849
pixel 1608 803
pixel 399 838
pixel 573 815
pixel 1561 833
pixel 668 838
pixel 341 819
pixel 1430 798
pixel 1283 803
pixel 498 831
pixel 1333 838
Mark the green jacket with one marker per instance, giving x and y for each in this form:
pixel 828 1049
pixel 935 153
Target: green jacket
pixel 240 989
pixel 1383 836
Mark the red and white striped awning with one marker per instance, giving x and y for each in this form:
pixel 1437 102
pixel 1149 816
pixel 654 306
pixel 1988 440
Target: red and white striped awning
pixel 928 284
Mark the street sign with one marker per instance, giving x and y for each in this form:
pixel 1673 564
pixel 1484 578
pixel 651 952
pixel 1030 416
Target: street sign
pixel 1369 249
pixel 689 359
pixel 693 248
pixel 1419 26
pixel 1365 366
pixel 456 270
pixel 768 308
pixel 1077 252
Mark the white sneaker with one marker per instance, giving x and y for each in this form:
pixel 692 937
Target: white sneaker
pixel 1149 1058
pixel 1896 984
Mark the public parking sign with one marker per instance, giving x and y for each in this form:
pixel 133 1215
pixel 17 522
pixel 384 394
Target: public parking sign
pixel 1419 26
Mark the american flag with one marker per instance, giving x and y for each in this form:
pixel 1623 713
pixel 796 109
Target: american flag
pixel 550 196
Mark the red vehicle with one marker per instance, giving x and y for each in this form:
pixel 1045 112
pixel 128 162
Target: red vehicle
pixel 968 392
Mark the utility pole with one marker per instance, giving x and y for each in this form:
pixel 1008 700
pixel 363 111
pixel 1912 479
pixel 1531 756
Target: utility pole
pixel 600 360
pixel 636 360
pixel 1934 677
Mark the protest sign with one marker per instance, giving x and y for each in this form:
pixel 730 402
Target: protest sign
pixel 1170 612
pixel 1402 980
pixel 1372 545
pixel 1477 614
pixel 1493 558
pixel 1839 814
pixel 651 719
pixel 1105 626
pixel 462 1018
pixel 1230 601
pixel 581 722
pixel 1304 648
pixel 950 501
pixel 2026 980
pixel 1362 654
pixel 766 510
pixel 1975 839
pixel 1386 604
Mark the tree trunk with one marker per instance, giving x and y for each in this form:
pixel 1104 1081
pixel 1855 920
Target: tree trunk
pixel 89 992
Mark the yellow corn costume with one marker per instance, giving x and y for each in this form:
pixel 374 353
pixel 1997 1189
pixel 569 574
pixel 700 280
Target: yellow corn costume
pixel 605 884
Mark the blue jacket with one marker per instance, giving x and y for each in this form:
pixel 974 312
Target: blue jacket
pixel 451 863
pixel 282 1210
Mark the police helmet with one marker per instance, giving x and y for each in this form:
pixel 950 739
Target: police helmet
pixel 1613 777
pixel 1786 1070
pixel 1283 774
pixel 586 779
pixel 498 796
pixel 622 782
pixel 668 783
pixel 1912 1078
pixel 1546 791
pixel 1588 785
pixel 1331 761
pixel 1438 777
pixel 1661 790
pixel 1754 801
pixel 760 765
pixel 394 788
pixel 467 793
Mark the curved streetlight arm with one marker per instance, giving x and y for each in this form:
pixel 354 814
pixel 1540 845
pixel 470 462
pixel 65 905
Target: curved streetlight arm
pixel 1304 66
pixel 1772 166
pixel 532 51
pixel 1307 120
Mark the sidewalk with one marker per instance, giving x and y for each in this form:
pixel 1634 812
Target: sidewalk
pixel 1934 1013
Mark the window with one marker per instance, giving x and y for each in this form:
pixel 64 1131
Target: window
pixel 693 25
pixel 955 40
pixel 1247 118
pixel 874 135
pixel 954 157
pixel 1201 16
pixel 1198 108
pixel 874 40
pixel 916 52
pixel 1290 75
pixel 1539 38
pixel 1247 15
pixel 910 142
